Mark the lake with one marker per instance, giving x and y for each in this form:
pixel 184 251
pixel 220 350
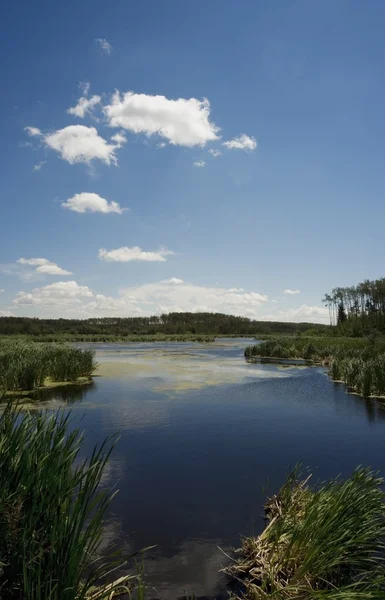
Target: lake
pixel 204 436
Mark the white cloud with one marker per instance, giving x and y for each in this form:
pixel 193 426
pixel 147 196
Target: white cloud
pixel 90 202
pixel 119 139
pixel 44 266
pixel 104 45
pixel 78 143
pixel 183 122
pixel 126 254
pixel 178 295
pixel 58 294
pixel 304 313
pixel 152 298
pixel 2 291
pixel 174 294
pixel 33 131
pixel 291 292
pixel 39 165
pixel 84 106
pixel 199 163
pixel 6 313
pixel 242 142
pixel 215 152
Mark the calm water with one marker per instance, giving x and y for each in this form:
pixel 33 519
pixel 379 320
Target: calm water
pixel 204 437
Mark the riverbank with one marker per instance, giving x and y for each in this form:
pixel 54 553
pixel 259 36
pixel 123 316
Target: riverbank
pixel 358 363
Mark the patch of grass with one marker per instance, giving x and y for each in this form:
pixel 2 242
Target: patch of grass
pixel 326 543
pixel 27 365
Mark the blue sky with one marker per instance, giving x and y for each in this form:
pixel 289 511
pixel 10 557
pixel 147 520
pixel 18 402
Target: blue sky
pixel 275 182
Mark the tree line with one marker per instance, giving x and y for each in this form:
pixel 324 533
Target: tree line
pixel 172 323
pixel 358 309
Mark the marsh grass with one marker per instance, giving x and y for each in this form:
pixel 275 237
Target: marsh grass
pixel 358 363
pixel 27 365
pixel 326 543
pixel 51 511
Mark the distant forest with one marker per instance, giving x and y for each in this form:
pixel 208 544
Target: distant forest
pixel 172 323
pixel 358 310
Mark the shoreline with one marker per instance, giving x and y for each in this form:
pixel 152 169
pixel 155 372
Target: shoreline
pixel 48 386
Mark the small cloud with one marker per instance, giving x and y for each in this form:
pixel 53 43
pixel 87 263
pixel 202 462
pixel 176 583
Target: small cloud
pixel 44 266
pixel 242 142
pixel 78 144
pixel 104 45
pixel 2 291
pixel 134 253
pixel 161 145
pixel 275 301
pixel 199 163
pixel 84 106
pixel 33 131
pixel 120 139
pixel 92 203
pixel 215 152
pixel 39 165
pixel 291 292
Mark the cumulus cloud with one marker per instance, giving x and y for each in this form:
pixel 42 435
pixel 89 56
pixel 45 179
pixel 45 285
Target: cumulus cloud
pixel 215 152
pixel 91 202
pixel 242 142
pixel 84 106
pixel 126 254
pixel 39 165
pixel 172 294
pixel 44 266
pixel 291 292
pixel 78 143
pixel 6 313
pixel 57 294
pixel 183 122
pixel 2 291
pixel 199 163
pixel 105 45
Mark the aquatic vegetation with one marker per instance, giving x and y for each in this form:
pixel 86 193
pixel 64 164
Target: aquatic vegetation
pixel 27 365
pixel 358 363
pixel 51 511
pixel 322 543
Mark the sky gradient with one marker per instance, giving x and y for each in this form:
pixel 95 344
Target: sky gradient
pixel 160 156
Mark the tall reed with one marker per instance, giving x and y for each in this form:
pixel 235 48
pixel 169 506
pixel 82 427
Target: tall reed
pixel 51 509
pixel 326 543
pixel 26 365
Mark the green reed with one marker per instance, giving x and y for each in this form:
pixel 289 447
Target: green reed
pixel 360 364
pixel 52 510
pixel 27 365
pixel 322 543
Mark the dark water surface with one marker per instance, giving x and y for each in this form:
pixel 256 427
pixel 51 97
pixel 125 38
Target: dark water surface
pixel 204 437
